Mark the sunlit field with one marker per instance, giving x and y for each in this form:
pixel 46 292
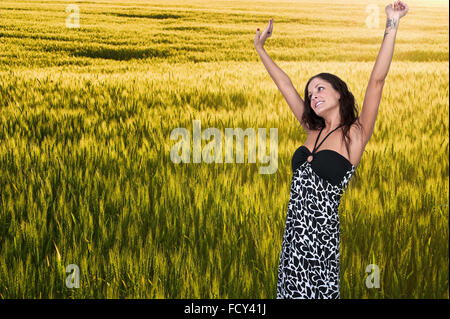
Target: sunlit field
pixel 86 176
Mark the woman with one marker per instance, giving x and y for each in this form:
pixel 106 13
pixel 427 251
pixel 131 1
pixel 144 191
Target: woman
pixel 309 259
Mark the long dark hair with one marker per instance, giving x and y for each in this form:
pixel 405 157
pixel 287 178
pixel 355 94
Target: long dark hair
pixel 347 109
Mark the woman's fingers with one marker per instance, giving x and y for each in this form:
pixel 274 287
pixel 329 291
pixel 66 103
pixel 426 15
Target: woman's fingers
pixel 270 27
pixel 399 9
pixel 257 37
pixel 402 8
pixel 403 5
pixel 399 5
pixel 268 30
pixel 260 38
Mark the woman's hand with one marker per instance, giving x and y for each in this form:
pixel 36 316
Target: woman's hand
pixel 267 33
pixel 399 10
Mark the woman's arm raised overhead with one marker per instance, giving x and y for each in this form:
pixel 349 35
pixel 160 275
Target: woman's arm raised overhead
pixel 280 78
pixel 376 82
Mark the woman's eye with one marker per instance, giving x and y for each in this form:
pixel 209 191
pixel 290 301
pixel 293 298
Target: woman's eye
pixel 309 96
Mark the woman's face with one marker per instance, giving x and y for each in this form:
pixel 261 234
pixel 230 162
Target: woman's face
pixel 323 96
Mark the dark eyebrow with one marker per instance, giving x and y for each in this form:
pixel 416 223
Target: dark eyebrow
pixel 315 87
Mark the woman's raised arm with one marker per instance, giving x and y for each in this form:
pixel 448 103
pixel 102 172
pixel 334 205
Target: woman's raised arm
pixel 280 78
pixel 380 70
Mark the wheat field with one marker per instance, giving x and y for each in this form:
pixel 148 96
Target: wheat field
pixel 86 176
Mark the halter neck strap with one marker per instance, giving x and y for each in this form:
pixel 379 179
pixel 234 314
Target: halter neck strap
pixel 315 148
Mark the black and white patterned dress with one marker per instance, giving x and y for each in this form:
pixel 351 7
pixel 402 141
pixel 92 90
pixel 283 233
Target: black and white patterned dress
pixel 309 259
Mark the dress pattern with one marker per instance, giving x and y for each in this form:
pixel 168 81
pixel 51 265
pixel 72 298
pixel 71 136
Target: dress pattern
pixel 309 259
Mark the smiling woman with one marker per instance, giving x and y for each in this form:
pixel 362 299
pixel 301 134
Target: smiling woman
pixel 309 264
pixel 338 107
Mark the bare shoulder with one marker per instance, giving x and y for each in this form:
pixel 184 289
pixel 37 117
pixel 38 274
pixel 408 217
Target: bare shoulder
pixel 311 133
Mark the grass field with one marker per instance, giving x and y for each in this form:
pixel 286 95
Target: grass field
pixel 85 171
